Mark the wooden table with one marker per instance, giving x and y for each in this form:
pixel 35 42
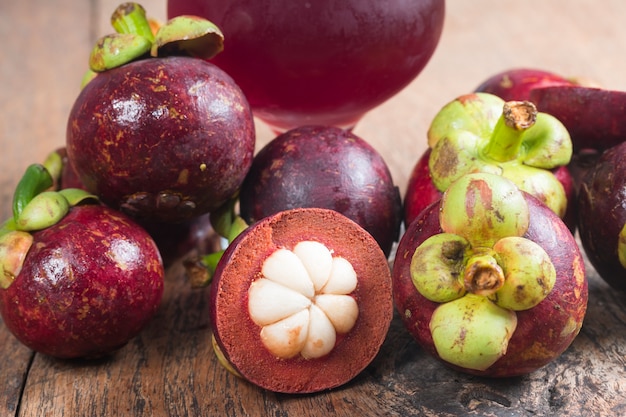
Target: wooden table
pixel 170 368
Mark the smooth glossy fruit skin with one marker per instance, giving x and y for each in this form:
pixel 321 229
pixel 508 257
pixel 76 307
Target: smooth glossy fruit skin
pixel 238 337
pixel 162 139
pixel 543 332
pixel 326 167
pixel 88 285
pixel 593 116
pixel 602 214
pixel 421 192
pixel 516 83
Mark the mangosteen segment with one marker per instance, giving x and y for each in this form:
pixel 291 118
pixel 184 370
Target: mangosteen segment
pixel 303 300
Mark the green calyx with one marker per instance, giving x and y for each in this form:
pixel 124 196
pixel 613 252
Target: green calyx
pixel 472 332
pixel 136 39
pixel 481 133
pixel 484 208
pixel 36 206
pixel 480 269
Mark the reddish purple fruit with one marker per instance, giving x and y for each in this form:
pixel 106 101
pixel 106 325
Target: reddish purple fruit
pixel 87 285
pixel 325 167
pixel 490 280
pixel 162 139
pixel 593 116
pixel 516 83
pixel 602 215
pixel 301 301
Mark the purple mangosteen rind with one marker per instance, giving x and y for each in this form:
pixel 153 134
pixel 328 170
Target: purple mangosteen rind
pixel 87 286
pixel 602 217
pixel 159 144
pixel 77 278
pixel 517 83
pixel 157 131
pixel 326 167
pixel 531 345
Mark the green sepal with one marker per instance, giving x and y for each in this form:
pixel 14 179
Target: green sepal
pixel 190 36
pixel 473 134
pixel 44 210
pixel 76 196
pixel 116 49
pixel 472 332
pixel 35 180
pixel 437 267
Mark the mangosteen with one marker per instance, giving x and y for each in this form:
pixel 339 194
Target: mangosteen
pixel 78 279
pixel 160 137
pixel 602 215
pixel 325 167
pixel 301 301
pixel 489 280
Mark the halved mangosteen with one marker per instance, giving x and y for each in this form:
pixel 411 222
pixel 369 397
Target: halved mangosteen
pixel 301 301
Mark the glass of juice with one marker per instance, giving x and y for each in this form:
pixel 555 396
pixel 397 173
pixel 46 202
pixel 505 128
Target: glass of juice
pixel 325 62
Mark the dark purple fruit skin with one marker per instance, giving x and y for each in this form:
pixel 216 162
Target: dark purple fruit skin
pixel 516 83
pixel 593 116
pixel 602 214
pixel 176 240
pixel 162 139
pixel 88 285
pixel 538 338
pixel 324 167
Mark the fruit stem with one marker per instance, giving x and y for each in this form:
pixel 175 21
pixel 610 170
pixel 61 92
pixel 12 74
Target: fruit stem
pixel 131 18
pixel 483 276
pixel 506 138
pixel 200 271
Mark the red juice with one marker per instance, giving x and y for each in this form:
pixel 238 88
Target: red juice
pixel 322 62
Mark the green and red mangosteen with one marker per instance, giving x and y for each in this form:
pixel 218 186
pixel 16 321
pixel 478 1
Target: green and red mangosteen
pixel 489 279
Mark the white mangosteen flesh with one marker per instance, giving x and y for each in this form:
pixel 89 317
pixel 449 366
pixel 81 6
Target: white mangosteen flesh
pixel 302 300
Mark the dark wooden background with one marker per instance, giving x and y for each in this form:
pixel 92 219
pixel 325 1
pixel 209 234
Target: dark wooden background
pixel 170 369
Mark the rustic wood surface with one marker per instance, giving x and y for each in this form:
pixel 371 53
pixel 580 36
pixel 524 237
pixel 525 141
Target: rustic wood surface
pixel 170 368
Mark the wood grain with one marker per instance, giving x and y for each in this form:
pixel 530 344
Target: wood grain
pixel 170 369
